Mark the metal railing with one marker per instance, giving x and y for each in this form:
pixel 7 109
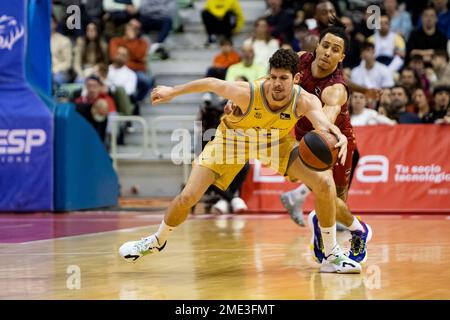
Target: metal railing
pixel 153 129
pixel 155 123
pixel 134 155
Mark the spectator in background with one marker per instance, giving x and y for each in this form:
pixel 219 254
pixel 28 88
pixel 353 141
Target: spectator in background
pixel 353 56
pixel 416 63
pixel 389 46
pixel 310 43
pixel 426 40
pixel 443 17
pixel 371 73
pixel 61 50
pixel 137 56
pixel 325 11
pixel 441 7
pixel 227 57
pixel 119 75
pixel 422 106
pixel 400 100
pixel 222 18
pixel 361 115
pixel 94 11
pixel 400 20
pixel 441 68
pixel 91 11
pixel 300 32
pixel 280 21
pixel 264 45
pixel 441 96
pixel 247 67
pixel 384 103
pixel 362 32
pixel 89 51
pixel 95 105
pixel 117 13
pixel 309 11
pixel 409 80
pixel 156 15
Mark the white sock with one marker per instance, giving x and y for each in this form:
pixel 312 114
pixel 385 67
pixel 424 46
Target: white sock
pixel 301 192
pixel 164 232
pixel 329 238
pixel 356 225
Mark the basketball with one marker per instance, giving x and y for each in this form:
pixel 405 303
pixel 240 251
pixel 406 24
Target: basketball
pixel 316 150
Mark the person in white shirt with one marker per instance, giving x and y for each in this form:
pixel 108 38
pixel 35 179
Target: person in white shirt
pixel 61 50
pixel 371 73
pixel 390 47
pixel 360 115
pixel 119 75
pixel 264 45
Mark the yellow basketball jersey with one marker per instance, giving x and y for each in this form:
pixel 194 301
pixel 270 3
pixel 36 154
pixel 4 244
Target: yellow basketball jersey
pixel 259 119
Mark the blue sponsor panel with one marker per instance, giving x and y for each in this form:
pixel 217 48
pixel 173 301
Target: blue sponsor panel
pixel 26 123
pixel 84 176
pixel 38 57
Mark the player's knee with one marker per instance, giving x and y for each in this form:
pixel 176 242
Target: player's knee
pixel 187 199
pixel 324 185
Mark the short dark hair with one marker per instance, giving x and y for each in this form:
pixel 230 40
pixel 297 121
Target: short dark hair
pixel 94 78
pixel 403 88
pixel 429 7
pixel 284 59
pixel 367 45
pixel 441 53
pixel 336 28
pixel 225 40
pixel 441 88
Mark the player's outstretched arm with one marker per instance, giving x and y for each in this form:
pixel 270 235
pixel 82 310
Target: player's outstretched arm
pixel 238 91
pixel 333 97
pixel 310 106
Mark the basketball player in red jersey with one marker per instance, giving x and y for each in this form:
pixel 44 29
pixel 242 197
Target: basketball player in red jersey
pixel 321 74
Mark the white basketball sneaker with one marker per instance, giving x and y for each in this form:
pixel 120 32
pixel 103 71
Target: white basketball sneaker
pixel 133 250
pixel 221 207
pixel 338 262
pixel 238 205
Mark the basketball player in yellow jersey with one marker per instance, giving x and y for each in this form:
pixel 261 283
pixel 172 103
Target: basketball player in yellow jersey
pixel 258 130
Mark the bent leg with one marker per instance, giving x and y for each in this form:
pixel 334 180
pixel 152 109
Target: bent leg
pixel 322 184
pixel 199 181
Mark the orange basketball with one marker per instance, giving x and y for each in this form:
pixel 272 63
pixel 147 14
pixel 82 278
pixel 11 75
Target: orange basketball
pixel 316 150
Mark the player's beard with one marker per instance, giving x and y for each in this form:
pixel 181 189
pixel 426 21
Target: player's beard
pixel 278 97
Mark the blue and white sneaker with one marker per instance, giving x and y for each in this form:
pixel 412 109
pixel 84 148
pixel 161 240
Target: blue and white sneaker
pixel 133 250
pixel 293 205
pixel 358 243
pixel 316 238
pixel 338 262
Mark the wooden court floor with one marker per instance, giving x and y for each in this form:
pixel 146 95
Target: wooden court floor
pixel 225 257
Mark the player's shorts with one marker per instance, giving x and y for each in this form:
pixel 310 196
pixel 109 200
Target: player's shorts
pixel 226 158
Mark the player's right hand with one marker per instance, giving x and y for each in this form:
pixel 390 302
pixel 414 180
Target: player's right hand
pixel 162 94
pixel 229 107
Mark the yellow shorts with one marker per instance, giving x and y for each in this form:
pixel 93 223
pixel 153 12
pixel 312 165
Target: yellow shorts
pixel 226 158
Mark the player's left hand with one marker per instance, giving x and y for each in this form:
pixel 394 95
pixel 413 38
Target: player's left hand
pixel 162 94
pixel 341 144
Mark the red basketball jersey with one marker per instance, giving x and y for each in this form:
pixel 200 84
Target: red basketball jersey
pixel 316 86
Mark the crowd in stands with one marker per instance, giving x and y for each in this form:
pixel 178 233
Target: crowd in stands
pixel 401 59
